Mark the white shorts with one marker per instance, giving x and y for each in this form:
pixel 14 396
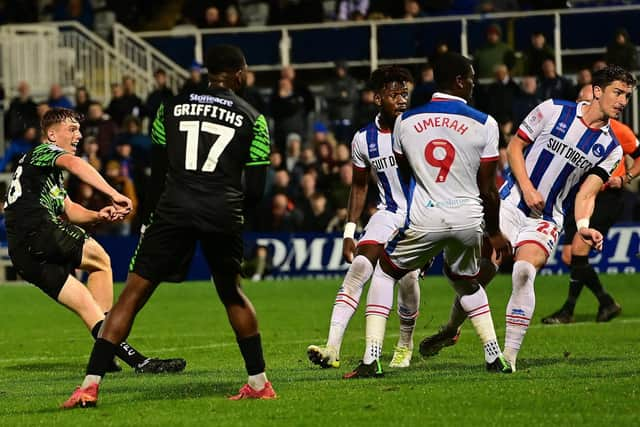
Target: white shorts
pixel 521 229
pixel 412 249
pixel 382 227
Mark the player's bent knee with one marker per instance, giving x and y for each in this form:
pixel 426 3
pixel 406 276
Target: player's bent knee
pixel 94 257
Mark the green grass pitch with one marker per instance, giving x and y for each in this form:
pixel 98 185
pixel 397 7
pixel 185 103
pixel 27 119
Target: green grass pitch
pixel 581 374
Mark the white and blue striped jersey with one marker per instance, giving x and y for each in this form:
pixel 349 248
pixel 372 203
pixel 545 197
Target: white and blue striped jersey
pixel 371 148
pixel 445 141
pixel 562 151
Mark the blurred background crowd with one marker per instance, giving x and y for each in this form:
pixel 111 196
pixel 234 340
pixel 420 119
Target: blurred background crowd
pixel 311 122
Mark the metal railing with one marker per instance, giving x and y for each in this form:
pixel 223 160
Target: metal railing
pixel 69 54
pixel 138 51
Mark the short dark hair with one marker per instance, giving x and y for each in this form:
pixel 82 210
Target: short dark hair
pixel 388 74
pixel 604 77
pixel 58 115
pixel 449 66
pixel 224 58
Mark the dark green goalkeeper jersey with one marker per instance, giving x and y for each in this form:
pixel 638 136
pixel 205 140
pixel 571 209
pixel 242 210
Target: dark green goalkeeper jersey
pixel 36 193
pixel 211 137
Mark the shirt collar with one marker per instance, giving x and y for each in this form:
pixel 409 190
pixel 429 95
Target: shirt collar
pixel 579 114
pixel 377 123
pixel 446 96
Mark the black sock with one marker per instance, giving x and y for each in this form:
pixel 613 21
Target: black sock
pixel 575 287
pixel 251 349
pixel 124 351
pixel 582 271
pixel 101 357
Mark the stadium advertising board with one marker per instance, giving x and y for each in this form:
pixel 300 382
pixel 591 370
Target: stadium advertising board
pixel 320 255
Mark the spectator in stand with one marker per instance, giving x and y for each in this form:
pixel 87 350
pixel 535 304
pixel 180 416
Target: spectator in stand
pixel 41 108
pixel 583 78
pixel 195 82
pixel 299 88
pixel 493 6
pixel 305 164
pixel 425 87
pixel 132 101
pixel 343 155
pixel 17 148
pixel 21 114
pixel 325 165
pixel 82 100
pixel 493 52
pixel 281 182
pixel 280 217
pixel 113 173
pixel 140 157
pixel 252 95
pixel 304 191
pixel 622 51
pixel 341 186
pixel 537 52
pixel 339 220
pixel 124 158
pixel 318 217
pixel 117 109
pixel 347 9
pixel 100 126
pixel 288 111
pixel 366 109
pixel 212 18
pixel 526 100
pixel 232 17
pixel 598 65
pixel 500 97
pixel 552 85
pixel 412 10
pixel 294 147
pixel 160 94
pixel 90 150
pixel 341 94
pixel 57 98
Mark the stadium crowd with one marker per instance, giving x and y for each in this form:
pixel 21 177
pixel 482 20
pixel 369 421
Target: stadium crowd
pixel 310 176
pixel 163 15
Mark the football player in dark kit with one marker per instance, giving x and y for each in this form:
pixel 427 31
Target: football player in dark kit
pixel 46 245
pixel 203 142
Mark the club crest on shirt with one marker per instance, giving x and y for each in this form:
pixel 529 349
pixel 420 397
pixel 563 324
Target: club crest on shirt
pixel 598 150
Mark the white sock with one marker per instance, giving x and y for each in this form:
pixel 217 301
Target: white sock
pixel 379 302
pixel 511 355
pixel 520 308
pixel 408 305
pixel 258 381
pixel 374 338
pixel 91 379
pixel 477 308
pixel 348 299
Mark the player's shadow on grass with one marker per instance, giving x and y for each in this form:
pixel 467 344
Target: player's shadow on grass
pixel 151 391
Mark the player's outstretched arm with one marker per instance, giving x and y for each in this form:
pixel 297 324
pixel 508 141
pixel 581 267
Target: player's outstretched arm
pixel 491 207
pixel 87 173
pixel 78 214
pixel 584 205
pixel 531 195
pixel 357 198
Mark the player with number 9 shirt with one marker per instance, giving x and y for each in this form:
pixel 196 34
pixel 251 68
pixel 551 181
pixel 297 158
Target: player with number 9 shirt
pixel 447 154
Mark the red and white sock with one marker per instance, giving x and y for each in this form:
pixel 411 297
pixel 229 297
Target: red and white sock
pixel 348 299
pixel 477 308
pixel 379 302
pixel 520 308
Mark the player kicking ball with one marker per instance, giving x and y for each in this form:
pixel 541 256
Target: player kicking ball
pixel 571 153
pixel 203 143
pixel 46 245
pixel 371 150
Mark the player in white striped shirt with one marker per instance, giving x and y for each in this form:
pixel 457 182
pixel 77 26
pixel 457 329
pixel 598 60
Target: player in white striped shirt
pixel 563 153
pixel 372 151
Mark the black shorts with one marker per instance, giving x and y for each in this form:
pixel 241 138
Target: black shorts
pixel 46 257
pixel 609 205
pixel 165 252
